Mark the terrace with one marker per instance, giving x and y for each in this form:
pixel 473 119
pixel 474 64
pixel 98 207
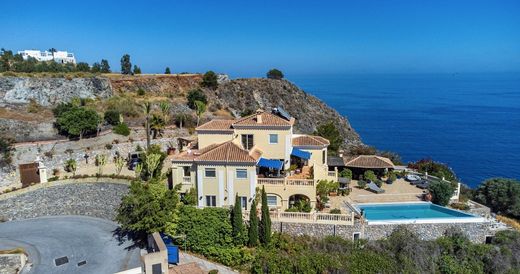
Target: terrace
pixel 313 217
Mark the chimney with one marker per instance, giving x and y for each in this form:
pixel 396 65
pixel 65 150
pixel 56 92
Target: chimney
pixel 259 116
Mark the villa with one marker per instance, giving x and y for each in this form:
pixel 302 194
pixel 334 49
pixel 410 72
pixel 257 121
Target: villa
pixel 63 57
pixel 260 150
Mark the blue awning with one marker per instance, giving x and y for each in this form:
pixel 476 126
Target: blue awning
pixel 301 154
pixel 276 164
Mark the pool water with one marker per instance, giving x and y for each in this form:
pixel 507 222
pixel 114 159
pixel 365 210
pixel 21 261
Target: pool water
pixel 410 211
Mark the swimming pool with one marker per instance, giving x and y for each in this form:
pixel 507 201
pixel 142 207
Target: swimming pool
pixel 414 213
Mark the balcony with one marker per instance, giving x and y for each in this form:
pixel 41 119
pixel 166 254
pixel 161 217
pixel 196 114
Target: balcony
pixel 186 180
pixel 313 217
pixel 285 182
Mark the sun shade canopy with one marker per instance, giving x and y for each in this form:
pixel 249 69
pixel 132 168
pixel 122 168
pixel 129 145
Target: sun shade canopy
pixel 301 154
pixel 269 163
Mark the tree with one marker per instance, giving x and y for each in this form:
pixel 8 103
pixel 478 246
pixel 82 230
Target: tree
pixel 147 110
pixel 112 117
pixel 165 111
pixel 502 195
pixel 441 192
pixel 96 68
pixel 105 67
pixel 345 173
pixel 157 125
pixel 275 74
pixel 331 133
pixel 201 108
pixel 78 121
pixel 253 226
pixel 82 66
pixel 434 168
pixel 265 222
pixel 196 95
pixel 126 65
pixel 167 70
pixel 237 222
pixel 209 80
pixel 190 198
pixel 137 70
pixel 52 51
pixel 149 208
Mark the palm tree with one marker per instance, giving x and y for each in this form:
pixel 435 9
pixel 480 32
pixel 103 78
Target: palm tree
pixel 147 110
pixel 165 110
pixel 52 51
pixel 200 109
pixel 157 125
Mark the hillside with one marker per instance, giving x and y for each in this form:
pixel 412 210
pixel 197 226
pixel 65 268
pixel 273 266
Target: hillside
pixel 20 95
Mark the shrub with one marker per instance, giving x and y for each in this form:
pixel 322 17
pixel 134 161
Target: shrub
pixel 441 192
pixel 335 211
pixel 141 92
pixel 112 117
pixel 460 206
pixel 33 106
pixel 362 184
pixel 6 150
pixel 122 129
pixel 109 146
pixel 369 175
pixel 209 80
pixel 392 177
pixel 78 121
pixel 196 95
pixel 275 74
pixel 345 173
pixel 501 195
pixel 437 169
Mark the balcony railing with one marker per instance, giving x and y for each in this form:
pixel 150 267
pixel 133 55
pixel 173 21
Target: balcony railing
pixel 303 217
pixel 331 173
pixel 186 180
pixel 285 181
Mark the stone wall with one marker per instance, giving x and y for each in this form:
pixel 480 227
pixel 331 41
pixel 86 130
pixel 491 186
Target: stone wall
pixel 476 232
pixel 12 263
pixel 90 198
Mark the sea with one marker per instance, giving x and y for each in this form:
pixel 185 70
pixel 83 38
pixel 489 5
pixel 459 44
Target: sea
pixel 471 122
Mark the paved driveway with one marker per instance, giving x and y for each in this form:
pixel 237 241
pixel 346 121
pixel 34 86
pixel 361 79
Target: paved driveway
pixel 88 243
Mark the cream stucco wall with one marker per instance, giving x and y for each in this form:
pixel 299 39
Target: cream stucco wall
pixel 206 139
pixel 318 162
pixel 281 150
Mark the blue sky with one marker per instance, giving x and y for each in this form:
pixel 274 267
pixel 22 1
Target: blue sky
pixel 299 37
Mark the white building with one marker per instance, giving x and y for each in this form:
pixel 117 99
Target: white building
pixel 59 56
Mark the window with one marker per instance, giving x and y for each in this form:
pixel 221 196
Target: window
pixel 247 141
pixel 210 173
pixel 273 138
pixel 241 174
pixel 323 156
pixel 186 171
pixel 243 202
pixel 355 236
pixel 272 201
pixel 211 200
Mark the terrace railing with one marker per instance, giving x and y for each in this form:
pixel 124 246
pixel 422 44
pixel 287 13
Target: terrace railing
pixel 285 182
pixel 304 217
pixel 186 180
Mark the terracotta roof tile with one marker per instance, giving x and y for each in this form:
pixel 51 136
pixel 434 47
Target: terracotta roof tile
pixel 267 120
pixel 226 152
pixel 217 125
pixel 369 161
pixel 309 140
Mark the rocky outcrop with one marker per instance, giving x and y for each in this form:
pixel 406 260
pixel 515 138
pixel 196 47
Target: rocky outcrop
pixel 48 91
pixel 26 131
pixel 165 85
pixel 309 111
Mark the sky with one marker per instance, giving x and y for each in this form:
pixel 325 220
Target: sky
pixel 247 38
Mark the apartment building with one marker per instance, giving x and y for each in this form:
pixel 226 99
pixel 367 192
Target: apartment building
pixel 63 57
pixel 241 156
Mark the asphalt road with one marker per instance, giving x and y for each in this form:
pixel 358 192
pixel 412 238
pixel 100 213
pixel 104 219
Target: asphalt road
pixel 79 238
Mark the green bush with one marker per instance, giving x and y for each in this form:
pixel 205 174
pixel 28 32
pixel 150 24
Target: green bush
pixel 275 74
pixel 209 80
pixel 362 184
pixel 335 211
pixel 122 129
pixel 112 117
pixel 501 195
pixel 141 92
pixel 196 95
pixel 345 173
pixel 370 175
pixel 433 168
pixel 441 192
pixel 78 121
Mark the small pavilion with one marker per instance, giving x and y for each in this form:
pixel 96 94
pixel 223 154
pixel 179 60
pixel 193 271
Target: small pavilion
pixel 359 164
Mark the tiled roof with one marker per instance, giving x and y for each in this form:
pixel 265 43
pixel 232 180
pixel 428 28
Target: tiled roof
pixel 267 120
pixel 309 140
pixel 256 153
pixel 335 161
pixel 217 125
pixel 369 161
pixel 227 152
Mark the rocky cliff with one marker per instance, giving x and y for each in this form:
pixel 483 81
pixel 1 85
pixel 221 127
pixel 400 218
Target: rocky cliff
pixel 233 96
pixel 51 91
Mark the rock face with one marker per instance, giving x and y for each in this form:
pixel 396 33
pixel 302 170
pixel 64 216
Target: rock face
pixel 309 111
pixel 51 91
pixel 27 131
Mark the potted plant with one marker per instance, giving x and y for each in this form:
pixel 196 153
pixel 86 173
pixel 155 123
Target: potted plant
pixel 171 148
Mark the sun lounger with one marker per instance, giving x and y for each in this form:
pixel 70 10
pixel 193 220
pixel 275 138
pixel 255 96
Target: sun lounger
pixel 374 188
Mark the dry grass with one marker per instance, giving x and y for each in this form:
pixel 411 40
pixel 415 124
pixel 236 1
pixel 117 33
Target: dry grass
pixel 509 221
pixel 43 114
pixel 17 250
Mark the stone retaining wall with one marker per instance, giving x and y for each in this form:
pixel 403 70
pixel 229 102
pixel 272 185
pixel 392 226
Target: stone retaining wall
pixel 90 198
pixel 476 232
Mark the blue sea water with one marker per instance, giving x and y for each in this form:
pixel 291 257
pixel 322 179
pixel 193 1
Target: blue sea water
pixel 469 121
